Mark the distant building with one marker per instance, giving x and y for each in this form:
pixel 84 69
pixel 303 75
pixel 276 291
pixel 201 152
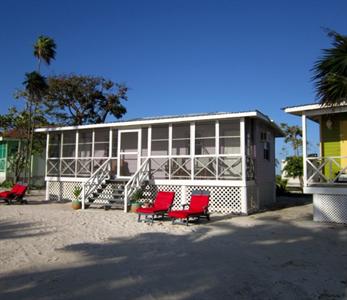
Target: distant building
pixel 10 145
pixel 325 175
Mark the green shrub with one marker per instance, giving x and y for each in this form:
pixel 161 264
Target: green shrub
pixel 137 195
pixel 77 192
pixel 281 185
pixel 7 184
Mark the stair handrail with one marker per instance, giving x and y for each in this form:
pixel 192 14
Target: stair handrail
pixel 95 180
pixel 135 181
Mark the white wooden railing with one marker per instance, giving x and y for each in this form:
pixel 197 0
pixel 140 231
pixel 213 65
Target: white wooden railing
pixel 95 180
pixel 326 170
pixel 135 181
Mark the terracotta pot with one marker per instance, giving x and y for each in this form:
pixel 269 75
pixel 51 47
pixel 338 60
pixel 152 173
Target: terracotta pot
pixel 76 204
pixel 134 207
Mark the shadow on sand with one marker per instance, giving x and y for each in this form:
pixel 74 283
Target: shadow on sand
pixel 270 260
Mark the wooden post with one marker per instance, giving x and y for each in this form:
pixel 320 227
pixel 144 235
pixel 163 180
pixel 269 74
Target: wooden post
pixel 170 150
pixel 76 154
pixel 149 150
pixel 244 208
pixel 217 147
pixel 304 148
pixel 47 154
pixel 192 149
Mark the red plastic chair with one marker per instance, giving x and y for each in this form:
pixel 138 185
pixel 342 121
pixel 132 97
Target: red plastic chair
pixel 15 194
pixel 161 205
pixel 198 207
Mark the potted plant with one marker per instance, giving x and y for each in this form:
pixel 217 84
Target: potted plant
pixel 135 200
pixel 76 203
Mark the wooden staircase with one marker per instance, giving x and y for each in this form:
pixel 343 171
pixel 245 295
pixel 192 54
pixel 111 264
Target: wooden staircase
pixel 109 194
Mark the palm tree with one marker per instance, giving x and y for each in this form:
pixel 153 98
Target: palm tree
pixel 44 50
pixel 330 72
pixel 35 87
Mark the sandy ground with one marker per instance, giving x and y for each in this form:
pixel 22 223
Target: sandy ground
pixel 49 251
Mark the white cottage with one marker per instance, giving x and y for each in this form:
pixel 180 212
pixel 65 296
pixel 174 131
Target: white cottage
pixel 231 155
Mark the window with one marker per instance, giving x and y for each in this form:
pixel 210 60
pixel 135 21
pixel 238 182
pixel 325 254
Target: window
pixel 229 137
pixel 69 144
pixel 267 150
pixel 160 140
pixel 54 145
pixel 205 135
pixel 101 142
pixel 263 136
pixel 181 139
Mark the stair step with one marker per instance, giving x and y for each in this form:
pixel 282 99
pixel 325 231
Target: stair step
pixel 111 195
pixel 113 200
pixel 119 181
pixel 106 205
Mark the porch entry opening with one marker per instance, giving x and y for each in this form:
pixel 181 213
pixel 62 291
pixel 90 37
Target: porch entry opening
pixel 128 152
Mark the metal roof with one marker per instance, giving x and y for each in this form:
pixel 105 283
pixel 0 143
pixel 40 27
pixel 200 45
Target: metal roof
pixel 171 119
pixel 314 109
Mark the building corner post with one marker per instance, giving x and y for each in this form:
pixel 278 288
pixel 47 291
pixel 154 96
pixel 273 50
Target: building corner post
pixel 244 206
pixel 304 148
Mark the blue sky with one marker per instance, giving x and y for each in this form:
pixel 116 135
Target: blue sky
pixel 177 56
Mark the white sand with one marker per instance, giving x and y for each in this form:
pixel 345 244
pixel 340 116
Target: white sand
pixel 49 251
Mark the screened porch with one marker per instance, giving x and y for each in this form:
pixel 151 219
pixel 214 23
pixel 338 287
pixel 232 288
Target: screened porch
pixel 201 150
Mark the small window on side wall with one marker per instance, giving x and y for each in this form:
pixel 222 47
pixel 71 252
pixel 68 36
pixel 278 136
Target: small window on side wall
pixel 267 150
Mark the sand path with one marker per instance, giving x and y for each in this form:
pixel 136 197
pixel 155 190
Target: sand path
pixel 48 251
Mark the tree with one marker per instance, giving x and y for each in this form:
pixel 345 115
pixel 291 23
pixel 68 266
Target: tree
pixel 15 124
pixel 293 164
pixel 35 88
pixel 44 50
pixel 330 72
pixel 293 136
pixel 78 99
pixel 294 168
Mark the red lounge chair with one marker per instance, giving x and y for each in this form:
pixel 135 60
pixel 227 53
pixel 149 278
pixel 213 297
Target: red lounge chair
pixel 161 205
pixel 198 207
pixel 15 194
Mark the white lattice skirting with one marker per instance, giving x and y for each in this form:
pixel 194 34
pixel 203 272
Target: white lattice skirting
pixel 61 190
pixel 225 199
pixel 330 208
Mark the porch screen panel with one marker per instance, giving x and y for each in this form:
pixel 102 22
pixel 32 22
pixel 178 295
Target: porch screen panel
pixel 160 140
pixel 229 137
pixel 69 144
pixel 114 143
pixel 144 143
pixel 205 143
pixel 181 139
pixel 128 164
pixel 101 142
pixel 68 163
pixel 85 140
pixel 85 144
pixel 54 145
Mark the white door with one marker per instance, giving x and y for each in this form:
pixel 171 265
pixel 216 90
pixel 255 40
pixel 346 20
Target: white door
pixel 128 152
